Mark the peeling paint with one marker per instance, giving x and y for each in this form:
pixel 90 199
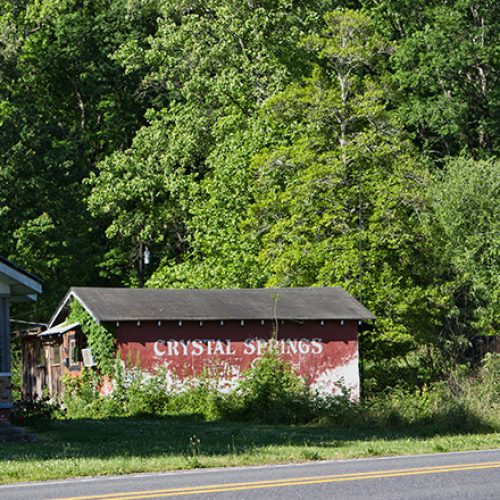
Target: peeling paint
pixel 336 381
pixel 325 355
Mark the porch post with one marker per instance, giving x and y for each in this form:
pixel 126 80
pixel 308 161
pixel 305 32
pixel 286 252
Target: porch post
pixel 5 367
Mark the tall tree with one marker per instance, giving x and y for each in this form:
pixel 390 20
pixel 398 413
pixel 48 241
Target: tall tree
pixel 209 66
pixel 64 104
pixel 466 222
pixel 445 65
pixel 340 194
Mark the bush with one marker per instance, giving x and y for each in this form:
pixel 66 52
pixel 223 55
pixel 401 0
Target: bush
pixel 272 392
pixel 199 399
pixel 145 397
pixel 480 391
pixel 337 410
pixel 33 413
pixel 466 401
pixel 433 406
pixel 80 395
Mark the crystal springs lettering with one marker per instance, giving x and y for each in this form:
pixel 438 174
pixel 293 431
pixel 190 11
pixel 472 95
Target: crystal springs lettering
pixel 249 347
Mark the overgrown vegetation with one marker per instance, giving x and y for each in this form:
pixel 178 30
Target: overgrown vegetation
pixel 99 338
pixel 265 143
pixel 35 413
pixel 146 425
pixel 271 392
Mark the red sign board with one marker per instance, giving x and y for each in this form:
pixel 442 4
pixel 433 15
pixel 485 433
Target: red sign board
pixel 324 353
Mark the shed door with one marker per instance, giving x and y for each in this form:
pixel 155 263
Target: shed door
pixel 55 370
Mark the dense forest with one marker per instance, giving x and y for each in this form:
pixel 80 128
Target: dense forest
pixel 254 143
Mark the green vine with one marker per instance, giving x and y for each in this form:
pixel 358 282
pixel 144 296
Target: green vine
pixel 100 340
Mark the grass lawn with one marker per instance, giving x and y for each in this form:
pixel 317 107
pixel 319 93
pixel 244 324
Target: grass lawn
pixel 69 448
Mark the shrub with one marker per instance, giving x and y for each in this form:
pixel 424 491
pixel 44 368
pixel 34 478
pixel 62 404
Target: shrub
pixel 145 397
pixel 79 394
pixel 465 401
pixel 272 392
pixel 480 392
pixel 34 413
pixel 337 410
pixel 432 406
pixel 199 399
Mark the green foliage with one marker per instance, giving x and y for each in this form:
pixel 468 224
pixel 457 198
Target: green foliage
pixel 27 412
pixel 138 394
pixel 429 406
pixel 64 104
pixel 97 337
pixel 487 385
pixel 465 400
pixel 79 393
pixel 340 194
pixel 269 392
pixel 182 186
pixel 272 392
pixel 200 398
pixel 444 65
pixel 145 396
pixel 466 221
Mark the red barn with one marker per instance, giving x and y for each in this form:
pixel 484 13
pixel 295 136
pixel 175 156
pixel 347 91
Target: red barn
pixel 219 332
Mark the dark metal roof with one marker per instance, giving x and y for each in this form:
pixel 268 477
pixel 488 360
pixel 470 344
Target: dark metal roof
pixel 134 304
pixel 59 329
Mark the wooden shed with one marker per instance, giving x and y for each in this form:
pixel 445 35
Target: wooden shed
pixel 47 356
pixel 218 332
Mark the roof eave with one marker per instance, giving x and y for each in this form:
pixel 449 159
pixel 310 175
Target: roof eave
pixel 23 285
pixel 239 318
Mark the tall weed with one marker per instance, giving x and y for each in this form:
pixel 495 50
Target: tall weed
pixel 272 392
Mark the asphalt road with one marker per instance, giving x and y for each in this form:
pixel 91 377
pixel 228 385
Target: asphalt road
pixel 445 475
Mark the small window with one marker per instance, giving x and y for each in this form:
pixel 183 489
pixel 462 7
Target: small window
pixel 41 356
pixel 74 353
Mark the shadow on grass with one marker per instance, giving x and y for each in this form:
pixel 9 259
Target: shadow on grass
pixel 174 436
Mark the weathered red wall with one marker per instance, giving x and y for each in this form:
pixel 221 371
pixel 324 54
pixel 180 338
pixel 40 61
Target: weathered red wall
pixel 323 354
